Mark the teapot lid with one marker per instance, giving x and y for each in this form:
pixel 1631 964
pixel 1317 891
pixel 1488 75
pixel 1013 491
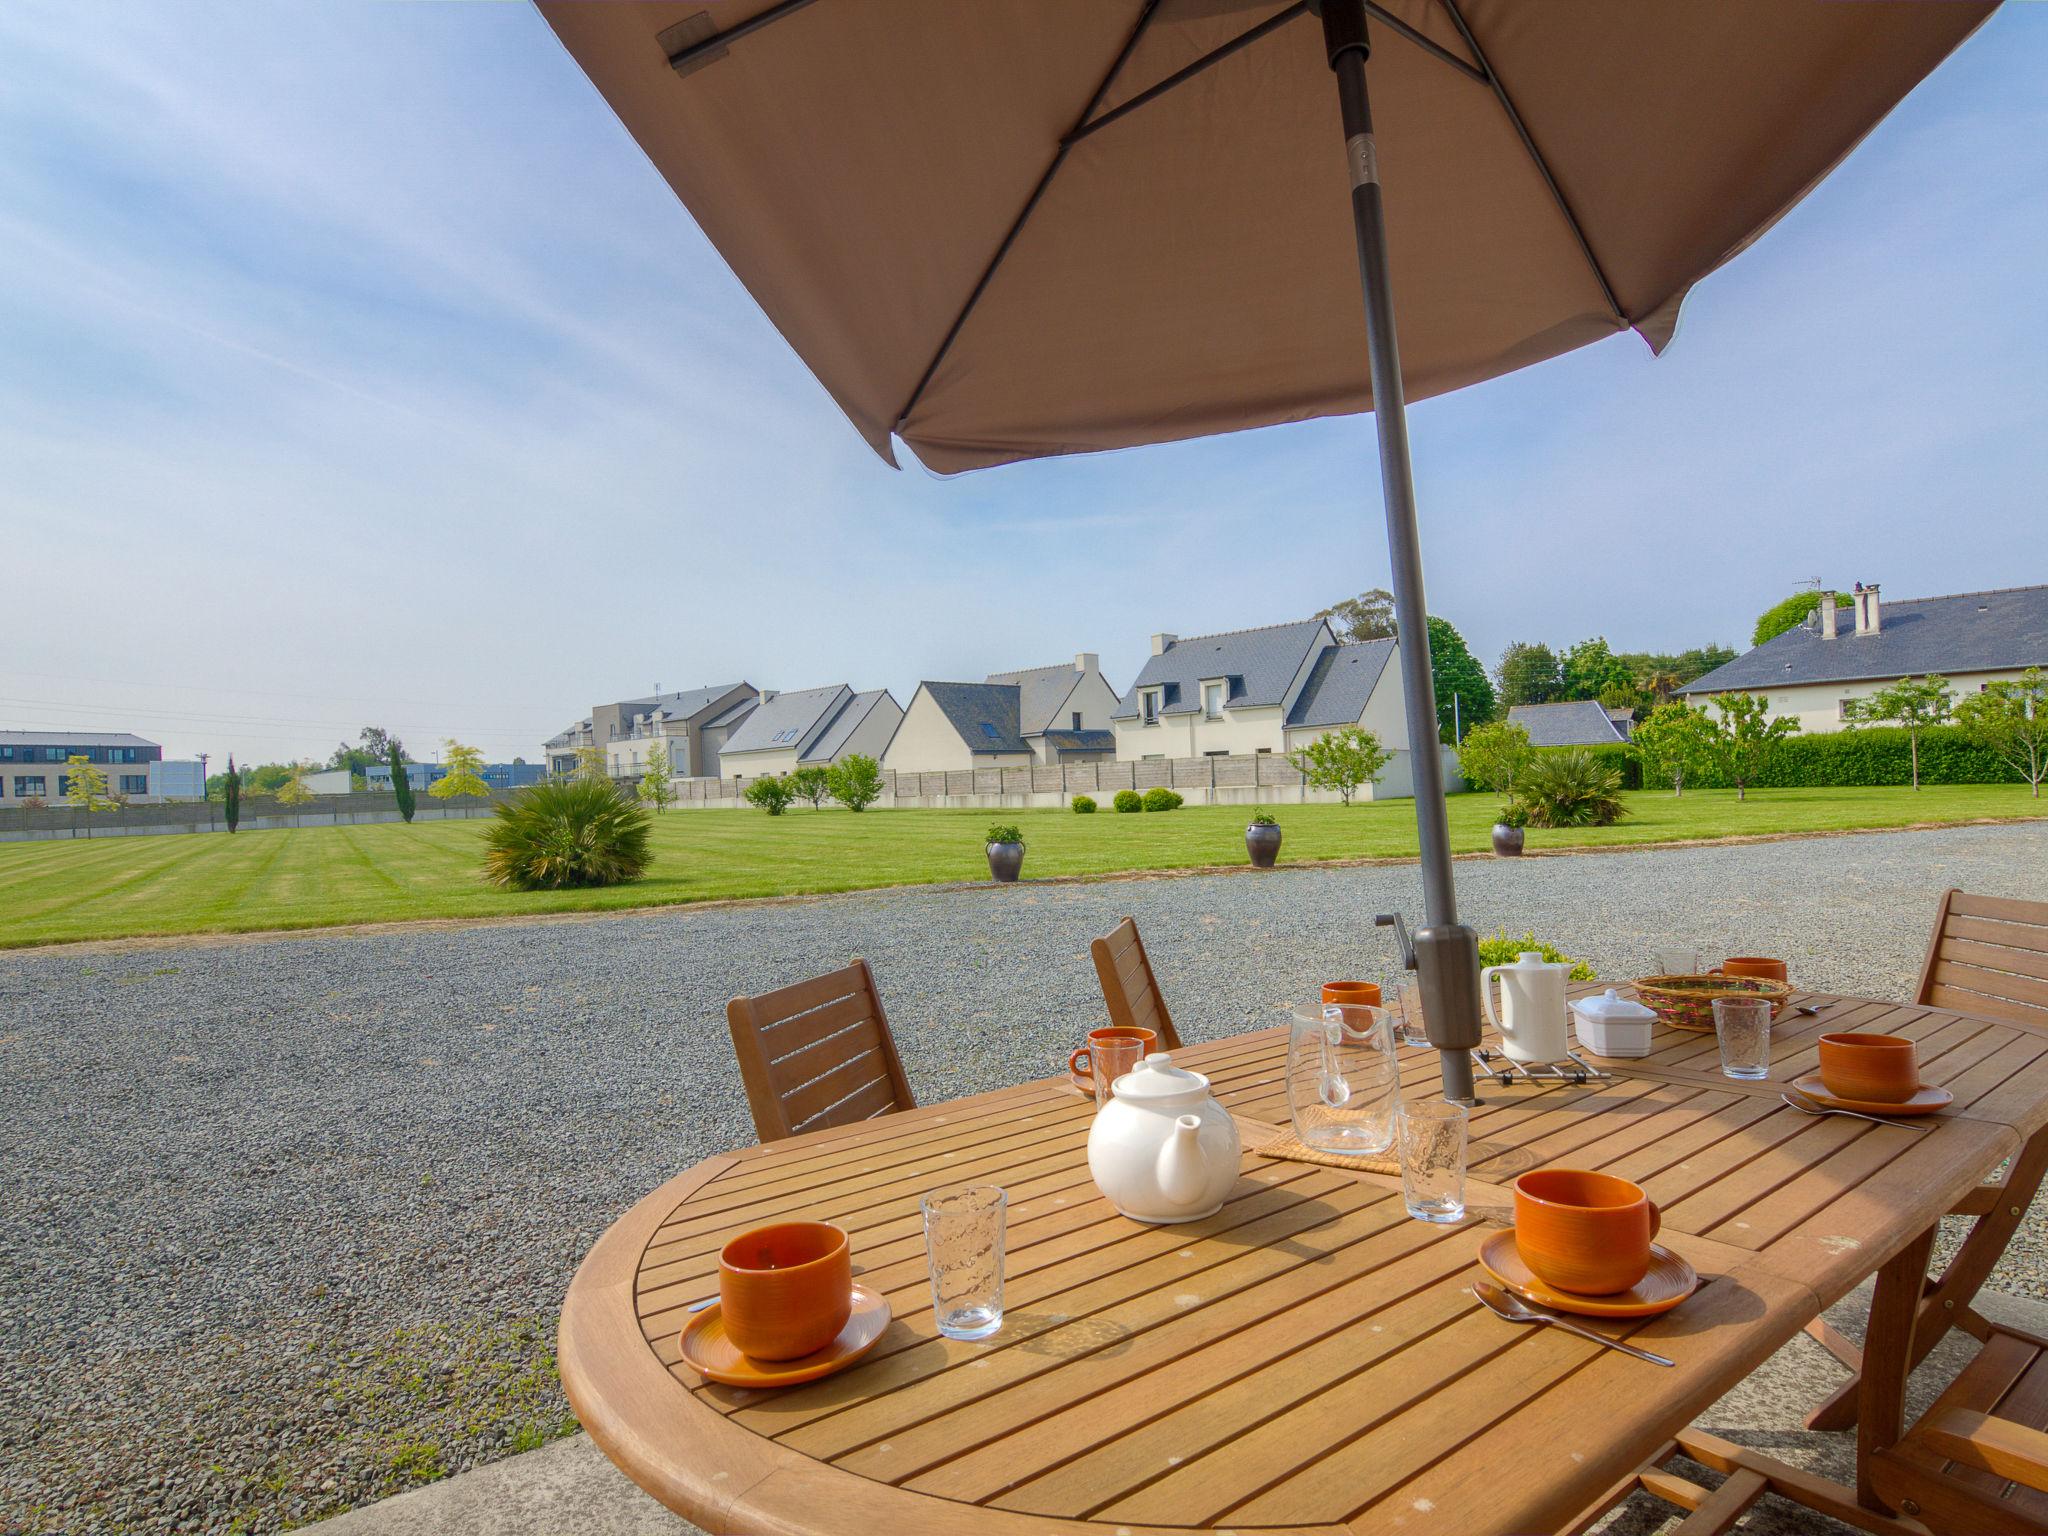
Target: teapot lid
pixel 1157 1080
pixel 1612 1005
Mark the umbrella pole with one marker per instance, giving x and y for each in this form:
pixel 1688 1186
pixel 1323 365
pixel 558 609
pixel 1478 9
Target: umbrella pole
pixel 1446 951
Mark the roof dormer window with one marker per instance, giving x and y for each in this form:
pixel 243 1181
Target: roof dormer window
pixel 1213 694
pixel 1150 701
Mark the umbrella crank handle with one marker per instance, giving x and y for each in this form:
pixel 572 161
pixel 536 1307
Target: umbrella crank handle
pixel 1402 942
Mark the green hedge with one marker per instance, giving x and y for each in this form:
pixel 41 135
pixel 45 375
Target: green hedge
pixel 1617 757
pixel 1839 760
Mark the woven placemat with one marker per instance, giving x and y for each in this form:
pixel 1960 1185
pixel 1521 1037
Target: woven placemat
pixel 1292 1150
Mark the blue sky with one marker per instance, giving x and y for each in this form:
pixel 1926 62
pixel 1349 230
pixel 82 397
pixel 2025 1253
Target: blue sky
pixel 355 366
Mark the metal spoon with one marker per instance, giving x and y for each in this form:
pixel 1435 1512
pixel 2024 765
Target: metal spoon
pixel 1515 1310
pixel 1794 1102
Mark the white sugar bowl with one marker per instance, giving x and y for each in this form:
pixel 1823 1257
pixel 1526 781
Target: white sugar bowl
pixel 1613 1025
pixel 1162 1149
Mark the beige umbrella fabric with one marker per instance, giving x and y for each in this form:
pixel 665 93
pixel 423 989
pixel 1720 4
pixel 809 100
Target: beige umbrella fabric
pixel 1189 267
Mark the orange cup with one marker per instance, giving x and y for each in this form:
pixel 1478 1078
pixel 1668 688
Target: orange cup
pixel 1752 965
pixel 785 1291
pixel 1877 1069
pixel 1081 1065
pixel 1365 992
pixel 1584 1232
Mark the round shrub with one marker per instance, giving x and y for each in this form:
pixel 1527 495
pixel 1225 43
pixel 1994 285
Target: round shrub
pixel 1084 805
pixel 1128 800
pixel 559 835
pixel 1162 800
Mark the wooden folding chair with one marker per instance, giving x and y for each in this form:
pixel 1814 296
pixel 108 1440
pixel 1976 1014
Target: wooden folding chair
pixel 1988 956
pixel 817 1054
pixel 1128 985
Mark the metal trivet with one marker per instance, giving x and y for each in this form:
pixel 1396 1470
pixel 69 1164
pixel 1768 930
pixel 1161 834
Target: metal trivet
pixel 1573 1069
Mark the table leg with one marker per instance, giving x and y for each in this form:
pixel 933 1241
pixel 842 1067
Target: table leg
pixel 1945 1302
pixel 1888 1359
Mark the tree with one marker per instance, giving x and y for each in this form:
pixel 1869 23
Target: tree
pixel 1342 760
pixel 855 781
pixel 85 786
pixel 1623 696
pixel 1495 755
pixel 769 792
pixel 1464 698
pixel 1745 741
pixel 1368 616
pixel 1529 674
pixel 294 790
pixel 591 764
pixel 658 788
pixel 401 784
pixel 812 782
pixel 2011 720
pixel 1790 614
pixel 465 775
pixel 1590 667
pixel 1677 742
pixel 1912 703
pixel 231 797
pixel 375 746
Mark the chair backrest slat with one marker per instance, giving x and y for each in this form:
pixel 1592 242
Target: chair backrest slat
pixel 1129 987
pixel 817 1054
pixel 1989 957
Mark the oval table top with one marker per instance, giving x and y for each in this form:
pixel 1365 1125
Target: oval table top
pixel 1308 1360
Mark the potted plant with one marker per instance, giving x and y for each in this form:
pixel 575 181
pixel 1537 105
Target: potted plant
pixel 1507 829
pixel 1262 839
pixel 1005 852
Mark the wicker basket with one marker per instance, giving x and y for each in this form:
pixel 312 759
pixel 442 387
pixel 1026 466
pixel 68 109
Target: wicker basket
pixel 1687 1002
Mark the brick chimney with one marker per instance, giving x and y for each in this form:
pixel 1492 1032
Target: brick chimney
pixel 1161 644
pixel 1087 661
pixel 1869 619
pixel 1830 616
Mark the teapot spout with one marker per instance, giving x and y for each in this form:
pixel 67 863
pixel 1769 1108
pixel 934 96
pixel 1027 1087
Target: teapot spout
pixel 1183 1169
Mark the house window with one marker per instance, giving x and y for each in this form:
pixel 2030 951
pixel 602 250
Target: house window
pixel 988 730
pixel 1215 754
pixel 53 754
pixel 27 784
pixel 1843 709
pixel 63 786
pixel 1265 752
pixel 1151 698
pixel 134 783
pixel 1077 720
pixel 1212 700
pixel 7 753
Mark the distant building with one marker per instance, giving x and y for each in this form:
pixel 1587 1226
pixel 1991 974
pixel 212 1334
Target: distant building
pixel 1013 720
pixel 421 776
pixel 693 725
pixel 810 726
pixel 32 766
pixel 1572 723
pixel 1813 671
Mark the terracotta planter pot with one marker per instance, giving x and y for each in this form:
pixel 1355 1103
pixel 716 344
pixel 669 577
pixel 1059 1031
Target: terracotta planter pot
pixel 1263 844
pixel 1507 841
pixel 1005 862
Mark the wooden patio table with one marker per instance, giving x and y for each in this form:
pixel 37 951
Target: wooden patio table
pixel 1309 1359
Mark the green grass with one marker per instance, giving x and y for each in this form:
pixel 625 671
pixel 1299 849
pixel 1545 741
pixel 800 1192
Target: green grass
pixel 318 876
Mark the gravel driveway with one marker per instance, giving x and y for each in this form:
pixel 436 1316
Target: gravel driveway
pixel 286 1223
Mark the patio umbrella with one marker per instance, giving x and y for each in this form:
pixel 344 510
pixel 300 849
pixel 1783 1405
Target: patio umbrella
pixel 1006 229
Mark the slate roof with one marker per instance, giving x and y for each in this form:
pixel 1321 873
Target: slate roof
pixel 1041 692
pixel 677 706
pixel 985 714
pixel 842 726
pixel 1261 662
pixel 1964 632
pixel 1342 680
pixel 73 739
pixel 1081 741
pixel 732 716
pixel 789 720
pixel 1571 723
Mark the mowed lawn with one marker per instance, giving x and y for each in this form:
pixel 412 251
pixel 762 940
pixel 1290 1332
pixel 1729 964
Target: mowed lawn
pixel 313 877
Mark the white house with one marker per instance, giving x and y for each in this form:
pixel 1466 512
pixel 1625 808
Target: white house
pixel 1261 690
pixel 1015 719
pixel 810 726
pixel 1812 672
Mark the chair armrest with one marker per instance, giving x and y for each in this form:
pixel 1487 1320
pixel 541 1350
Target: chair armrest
pixel 1998 1446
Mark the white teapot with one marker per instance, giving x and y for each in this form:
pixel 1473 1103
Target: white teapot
pixel 1531 1020
pixel 1162 1149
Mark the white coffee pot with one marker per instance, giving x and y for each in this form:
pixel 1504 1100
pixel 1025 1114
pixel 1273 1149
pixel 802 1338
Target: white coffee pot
pixel 1162 1149
pixel 1532 1017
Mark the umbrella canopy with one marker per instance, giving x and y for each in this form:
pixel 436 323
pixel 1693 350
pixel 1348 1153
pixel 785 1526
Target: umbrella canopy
pixel 1014 228
pixel 913 191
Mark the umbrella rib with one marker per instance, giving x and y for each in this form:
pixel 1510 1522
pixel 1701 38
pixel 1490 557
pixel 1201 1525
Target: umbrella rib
pixel 1152 93
pixel 1507 105
pixel 1024 214
pixel 681 60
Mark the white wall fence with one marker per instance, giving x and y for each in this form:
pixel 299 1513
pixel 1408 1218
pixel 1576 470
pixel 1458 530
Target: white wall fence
pixel 260 813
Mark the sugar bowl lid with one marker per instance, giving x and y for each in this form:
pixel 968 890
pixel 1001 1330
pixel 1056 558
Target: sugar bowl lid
pixel 1611 1005
pixel 1156 1080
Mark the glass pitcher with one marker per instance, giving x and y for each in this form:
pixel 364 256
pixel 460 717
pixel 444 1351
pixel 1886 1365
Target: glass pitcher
pixel 1343 1077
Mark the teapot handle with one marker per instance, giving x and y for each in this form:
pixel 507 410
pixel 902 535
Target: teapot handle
pixel 1486 996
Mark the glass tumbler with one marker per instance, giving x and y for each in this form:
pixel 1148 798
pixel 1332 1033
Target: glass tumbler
pixel 1343 1078
pixel 1743 1026
pixel 1408 1004
pixel 963 1241
pixel 1432 1137
pixel 1111 1059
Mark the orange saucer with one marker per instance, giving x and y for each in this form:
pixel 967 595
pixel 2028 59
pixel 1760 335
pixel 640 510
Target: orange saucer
pixel 708 1352
pixel 1925 1102
pixel 1669 1282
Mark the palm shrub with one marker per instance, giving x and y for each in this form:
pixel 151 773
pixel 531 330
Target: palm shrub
pixel 1569 789
pixel 1161 799
pixel 1084 805
pixel 1128 800
pixel 558 836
